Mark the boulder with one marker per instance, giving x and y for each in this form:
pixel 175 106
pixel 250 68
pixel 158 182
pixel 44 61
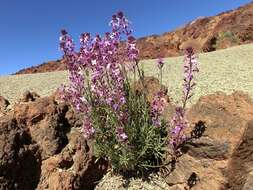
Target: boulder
pixel 225 117
pixel 151 86
pixel 46 123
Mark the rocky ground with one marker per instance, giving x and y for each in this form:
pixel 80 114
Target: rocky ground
pixel 41 147
pixel 223 70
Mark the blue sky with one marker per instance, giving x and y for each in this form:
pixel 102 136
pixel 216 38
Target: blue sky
pixel 29 29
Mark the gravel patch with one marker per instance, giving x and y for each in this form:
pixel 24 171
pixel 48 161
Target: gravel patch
pixel 224 70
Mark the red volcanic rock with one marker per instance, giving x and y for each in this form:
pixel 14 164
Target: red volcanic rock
pixel 225 116
pixel 19 156
pixel 205 34
pixel 42 147
pixel 73 168
pixel 151 86
pixel 221 158
pixel 58 65
pixel 45 121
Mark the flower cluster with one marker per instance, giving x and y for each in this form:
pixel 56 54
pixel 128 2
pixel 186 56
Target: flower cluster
pixel 96 74
pixel 190 67
pixel 179 122
pixel 157 108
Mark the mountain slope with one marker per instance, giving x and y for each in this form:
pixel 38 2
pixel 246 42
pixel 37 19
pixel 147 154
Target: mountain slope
pixel 204 34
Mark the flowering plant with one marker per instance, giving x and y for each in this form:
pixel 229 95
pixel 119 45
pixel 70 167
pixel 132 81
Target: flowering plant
pixel 125 128
pixel 179 122
pixel 160 63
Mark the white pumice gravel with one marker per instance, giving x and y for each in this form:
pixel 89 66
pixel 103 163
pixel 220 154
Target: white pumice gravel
pixel 223 70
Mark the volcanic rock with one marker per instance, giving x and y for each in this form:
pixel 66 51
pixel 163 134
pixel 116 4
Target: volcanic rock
pixel 73 168
pixel 151 86
pixel 42 147
pixel 19 157
pixel 241 164
pixel 226 120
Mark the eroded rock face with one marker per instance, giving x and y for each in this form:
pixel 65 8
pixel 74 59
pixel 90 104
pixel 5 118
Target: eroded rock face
pixel 225 116
pixel 226 120
pixel 46 123
pixel 241 164
pixel 41 147
pixel 19 157
pixel 73 168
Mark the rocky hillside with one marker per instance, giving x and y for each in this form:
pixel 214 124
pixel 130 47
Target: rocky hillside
pixel 57 65
pixel 205 34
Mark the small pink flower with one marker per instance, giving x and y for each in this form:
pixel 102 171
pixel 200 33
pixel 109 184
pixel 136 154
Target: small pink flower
pixel 157 108
pixel 88 130
pixel 122 136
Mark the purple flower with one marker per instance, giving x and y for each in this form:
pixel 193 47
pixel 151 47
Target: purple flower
pixel 160 63
pixel 96 74
pixel 122 136
pixel 179 122
pixel 157 108
pixel 120 24
pixel 88 130
pixel 190 67
pixel 132 51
